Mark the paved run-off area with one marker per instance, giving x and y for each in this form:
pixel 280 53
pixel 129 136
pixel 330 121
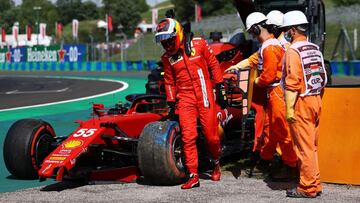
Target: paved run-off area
pixel 229 189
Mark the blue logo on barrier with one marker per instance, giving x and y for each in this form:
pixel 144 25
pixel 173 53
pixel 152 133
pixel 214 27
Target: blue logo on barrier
pixel 13 55
pixel 74 53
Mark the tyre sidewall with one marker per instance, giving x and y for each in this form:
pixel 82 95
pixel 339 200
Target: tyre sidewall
pixel 156 154
pixel 20 147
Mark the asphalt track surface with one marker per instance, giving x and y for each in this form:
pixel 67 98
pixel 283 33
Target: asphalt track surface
pixel 19 91
pixel 234 186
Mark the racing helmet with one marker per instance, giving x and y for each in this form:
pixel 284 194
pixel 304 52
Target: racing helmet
pixel 293 18
pixel 169 33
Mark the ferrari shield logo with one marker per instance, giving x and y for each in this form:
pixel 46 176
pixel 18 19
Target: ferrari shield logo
pixel 193 52
pixel 173 60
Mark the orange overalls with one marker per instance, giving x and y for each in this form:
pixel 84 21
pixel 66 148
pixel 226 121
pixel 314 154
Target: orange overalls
pixel 305 130
pixel 279 133
pixel 258 102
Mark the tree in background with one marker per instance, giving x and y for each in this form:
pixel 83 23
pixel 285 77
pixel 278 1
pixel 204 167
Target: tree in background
pixel 90 11
pixel 27 15
pixel 216 7
pixel 124 12
pixel 6 5
pixel 185 9
pixel 75 9
pixel 68 10
pixel 7 14
pixel 142 5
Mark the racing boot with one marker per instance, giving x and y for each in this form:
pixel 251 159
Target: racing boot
pixel 216 173
pixel 286 173
pixel 295 193
pixel 192 182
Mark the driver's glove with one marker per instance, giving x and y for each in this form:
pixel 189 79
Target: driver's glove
pixel 221 98
pixel 171 114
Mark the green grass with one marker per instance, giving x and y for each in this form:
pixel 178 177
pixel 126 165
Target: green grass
pixel 144 49
pixel 86 28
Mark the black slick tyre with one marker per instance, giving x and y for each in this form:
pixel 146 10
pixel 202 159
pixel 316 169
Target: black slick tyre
pixel 26 145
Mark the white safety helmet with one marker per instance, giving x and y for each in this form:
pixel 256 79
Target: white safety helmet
pixel 254 18
pixel 292 18
pixel 275 17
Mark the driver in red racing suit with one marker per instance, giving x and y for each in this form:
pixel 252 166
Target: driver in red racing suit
pixel 188 85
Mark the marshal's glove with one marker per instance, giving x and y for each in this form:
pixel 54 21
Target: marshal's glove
pixel 171 115
pixel 241 65
pixel 221 98
pixel 290 99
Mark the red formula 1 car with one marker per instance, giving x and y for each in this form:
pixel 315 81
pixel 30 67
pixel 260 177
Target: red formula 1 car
pixel 101 148
pixel 125 143
pixel 118 144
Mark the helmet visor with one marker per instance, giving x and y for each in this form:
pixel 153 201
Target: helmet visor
pixel 169 44
pixel 163 37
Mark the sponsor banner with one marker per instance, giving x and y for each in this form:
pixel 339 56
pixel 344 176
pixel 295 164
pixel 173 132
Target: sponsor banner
pixel 15 33
pixel 42 53
pixel 69 53
pixel 13 55
pixel 42 30
pixel 59 30
pixel 109 21
pixel 3 35
pixel 71 144
pixel 75 28
pixel 57 158
pixel 28 32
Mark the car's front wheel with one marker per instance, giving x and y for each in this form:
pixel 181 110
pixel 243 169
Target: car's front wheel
pixel 27 144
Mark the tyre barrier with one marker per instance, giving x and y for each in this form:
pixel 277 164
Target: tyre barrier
pixel 345 68
pixel 95 66
pixel 339 68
